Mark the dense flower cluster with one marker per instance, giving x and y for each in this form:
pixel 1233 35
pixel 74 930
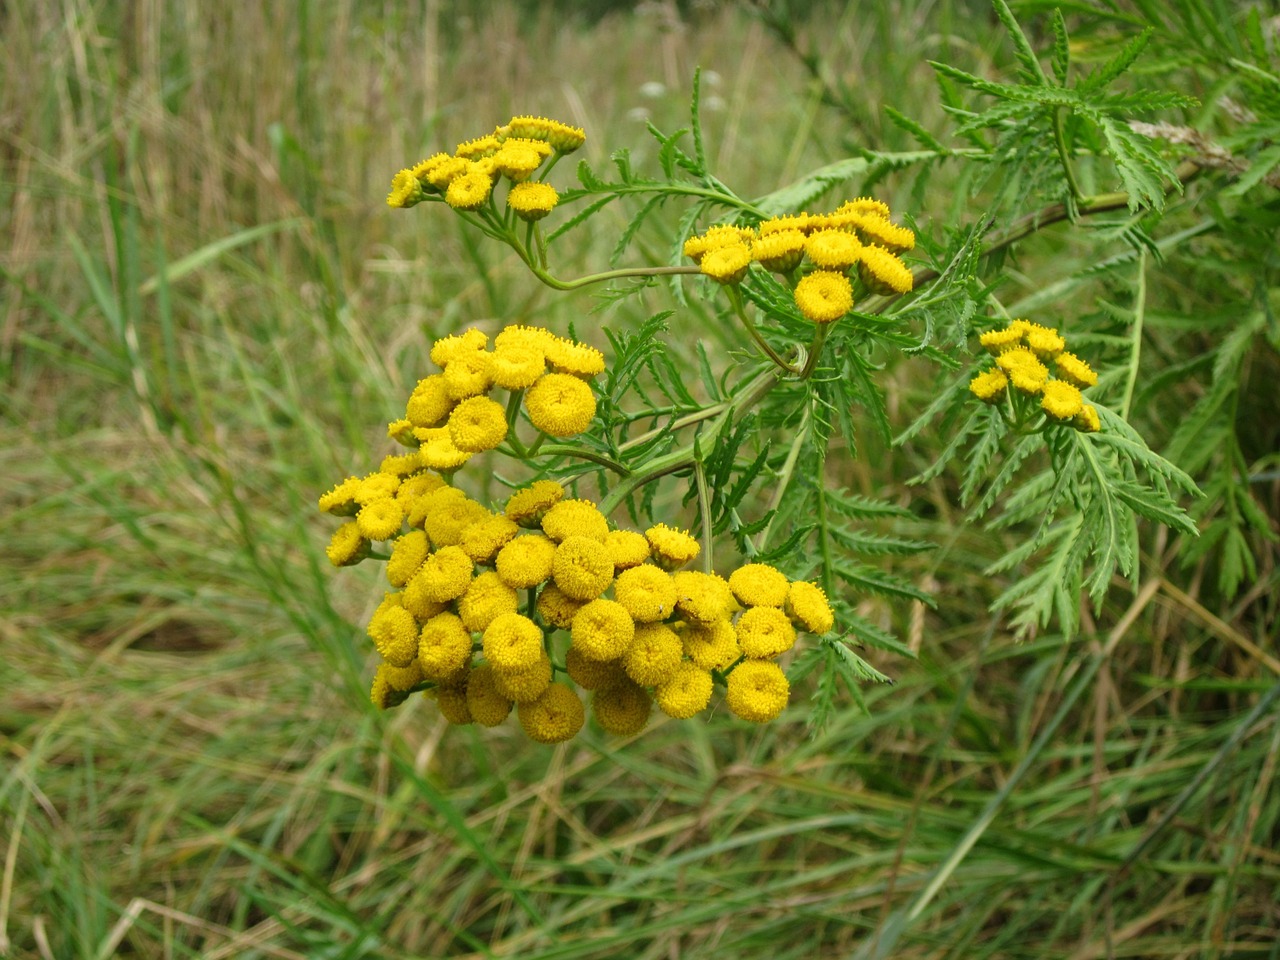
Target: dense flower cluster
pixel 819 253
pixel 465 179
pixel 1022 352
pixel 609 611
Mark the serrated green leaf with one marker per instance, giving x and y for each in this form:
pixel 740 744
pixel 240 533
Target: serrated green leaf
pixel 925 138
pixel 1061 59
pixel 798 195
pixel 1021 45
pixel 1122 61
pixel 873 580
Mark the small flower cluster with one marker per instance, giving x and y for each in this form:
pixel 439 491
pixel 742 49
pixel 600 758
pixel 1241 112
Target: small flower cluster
pixel 1022 351
pixel 859 234
pixel 640 629
pixel 450 415
pixel 466 178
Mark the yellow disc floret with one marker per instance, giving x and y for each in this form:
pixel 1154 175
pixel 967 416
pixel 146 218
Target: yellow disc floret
pixel 654 654
pixel 602 630
pixel 485 599
pixel 759 585
pixel 807 605
pixel 757 691
pixel 556 716
pixel 765 632
pixel 883 272
pixel 512 642
pixel 672 548
pixel 989 386
pixel 580 518
pixel 686 693
pixel 621 708
pixel 824 296
pixel 1074 370
pixel 560 405
pixel 444 646
pixel 447 574
pixel 1061 400
pixel 477 424
pixel 626 548
pixel 348 546
pixel 646 592
pixel 532 201
pixel 582 568
pixel 407 555
pixel 527 507
pixel 526 561
pixel 487 705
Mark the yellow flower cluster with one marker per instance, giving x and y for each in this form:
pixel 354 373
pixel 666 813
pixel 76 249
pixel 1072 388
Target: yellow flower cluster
pixel 466 178
pixel 1022 352
pixel 450 415
pixel 640 628
pixel 858 234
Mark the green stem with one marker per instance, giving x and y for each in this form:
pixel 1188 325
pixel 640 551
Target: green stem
pixel 815 348
pixel 565 450
pixel 735 298
pixel 783 480
pixel 755 389
pixel 673 462
pixel 1060 139
pixel 704 511
pixel 1139 313
pixel 558 284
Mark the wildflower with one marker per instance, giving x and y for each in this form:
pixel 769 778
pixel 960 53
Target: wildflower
pixel 488 707
pixel 414 488
pixel 525 684
pixel 402 465
pixel 348 546
pixel 1061 400
pixel 516 367
pixel 877 229
pixel 580 518
pixel 468 374
pixel 686 693
pixel 446 349
pixel 561 136
pixel 672 548
pixel 447 573
pixel 447 518
pixel 526 561
pixel 401 431
pixel 560 405
pixel 407 555
pixel 384 693
pixel 516 161
pixel 712 647
pixel 556 716
pixel 469 191
pixel 452 701
pixel 647 592
pixel 415 599
pixel 536 339
pixel 998 341
pixel 482 540
pixel 394 632
pixel 727 264
pixel 757 690
pixel 654 654
pixel 556 607
pixel 582 568
pixel 512 642
pixel 621 708
pixel 478 148
pixel 485 599
pixel 444 646
pixel 440 453
pixel 380 519
pixel 567 356
pixel 883 272
pixel 1024 369
pixel 833 249
pixel 591 674
pixel 702 598
pixel 1087 420
pixel 429 403
pixel 1044 342
pixel 989 386
pixel 341 500
pixel 1073 370
pixel 765 632
pixel 375 486
pixel 422 169
pixel 405 190
pixel 532 201
pixel 626 548
pixel 602 630
pixel 759 585
pixel 807 605
pixel 442 175
pixel 795 221
pixel 477 424
pixel 824 296
pixel 721 235
pixel 528 506
pixel 862 206
pixel 780 251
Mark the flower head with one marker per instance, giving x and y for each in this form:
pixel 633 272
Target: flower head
pixel 532 201
pixel 444 350
pixel 560 405
pixel 482 540
pixel 759 585
pixel 654 654
pixel 512 642
pixel 877 229
pixel 469 191
pixel 452 700
pixel 468 374
pixel 486 598
pixel 685 693
pixel 998 341
pixel 517 366
pixel 765 632
pixel 1074 370
pixel 602 630
pixel 727 264
pixel 568 356
pixel 807 605
pixel 527 507
pixel 621 708
pixel 526 561
pixel 556 716
pixel 646 592
pixel 672 548
pixel 444 646
pixel 1044 342
pixel 626 548
pixel 712 647
pixel 405 190
pixel 556 607
pixel 824 296
pixel 341 500
pixel 477 424
pixel 833 249
pixel 582 568
pixel 447 573
pixel 989 386
pixel 1087 420
pixel 487 705
pixel 429 403
pixel 883 272
pixel 348 545
pixel 580 518
pixel 780 251
pixel 757 690
pixel 702 598
pixel 380 519
pixel 525 684
pixel 394 632
pixel 1024 369
pixel 517 160
pixel 407 554
pixel 591 674
pixel 1061 400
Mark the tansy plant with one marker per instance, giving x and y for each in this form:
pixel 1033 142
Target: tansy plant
pixel 580 584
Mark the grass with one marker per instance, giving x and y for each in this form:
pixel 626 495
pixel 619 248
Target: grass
pixel 206 315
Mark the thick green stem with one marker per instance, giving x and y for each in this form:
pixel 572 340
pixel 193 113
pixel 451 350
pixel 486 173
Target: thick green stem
pixel 673 462
pixel 566 450
pixel 704 511
pixel 815 349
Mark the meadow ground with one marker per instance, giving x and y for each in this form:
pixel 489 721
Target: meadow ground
pixel 207 314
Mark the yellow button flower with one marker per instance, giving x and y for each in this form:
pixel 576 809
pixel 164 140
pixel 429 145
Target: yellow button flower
pixel 877 229
pixel 647 593
pixel 468 374
pixel 430 403
pixel 380 519
pixel 759 585
pixel 400 465
pixel 626 549
pixel 765 632
pixel 527 507
pixel 569 356
pixel 444 350
pixel 1087 420
pixel 469 191
pixel 375 486
pixel 582 568
pixel 998 341
pixel 452 701
pixel 1061 400
pixel 556 607
pixel 833 249
pixel 526 561
pixel 1074 370
pixel 560 405
pixel 989 387
pixel 602 630
pixel 1024 369
pixel 477 424
pixel 348 546
pixel 416 601
pixel 447 574
pixel 512 642
pixel 712 647
pixel 479 148
pixel 727 264
pixel 702 598
pixel 686 693
pixel 824 296
pixel 448 518
pixel 485 599
pixel 672 548
pixel 341 500
pixel 516 367
pixel 439 453
pixel 757 691
pixel 554 717
pixel 524 685
pixel 517 160
pixel 532 201
pixel 384 693
pixel 654 654
pixel 591 674
pixel 407 555
pixel 575 518
pixel 444 646
pixel 394 632
pixel 482 540
pixel 883 272
pixel 488 707
pixel 807 605
pixel 405 190
pixel 621 708
pixel 802 222
pixel 1044 342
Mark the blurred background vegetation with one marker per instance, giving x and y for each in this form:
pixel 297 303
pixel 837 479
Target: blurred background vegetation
pixel 207 314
